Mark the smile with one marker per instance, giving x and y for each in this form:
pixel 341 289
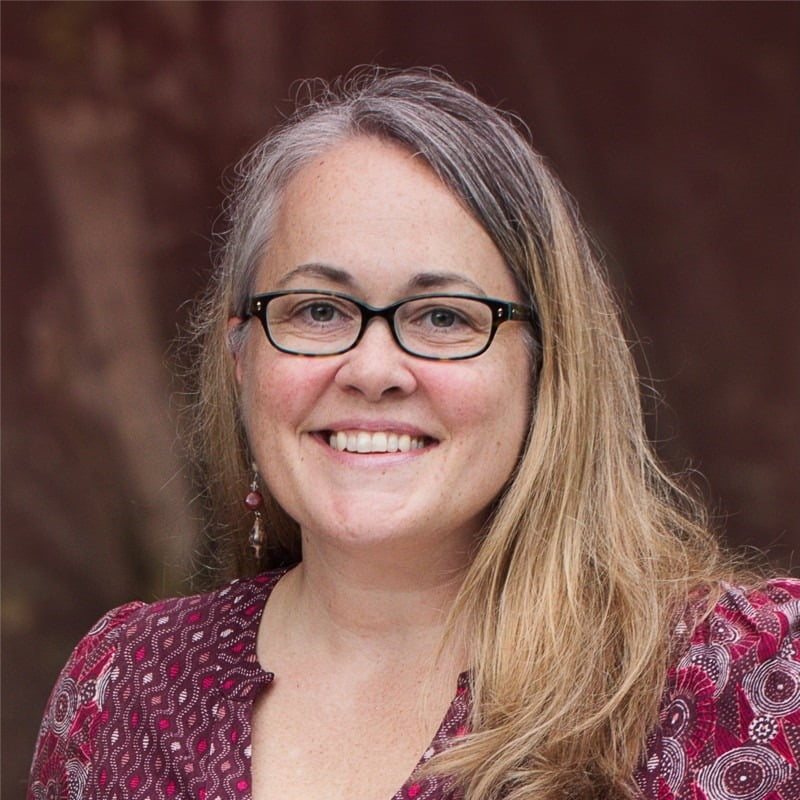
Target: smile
pixel 375 441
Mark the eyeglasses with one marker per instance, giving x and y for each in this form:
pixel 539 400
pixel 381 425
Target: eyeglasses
pixel 435 326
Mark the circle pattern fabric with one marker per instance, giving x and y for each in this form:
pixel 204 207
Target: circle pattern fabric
pixel 732 705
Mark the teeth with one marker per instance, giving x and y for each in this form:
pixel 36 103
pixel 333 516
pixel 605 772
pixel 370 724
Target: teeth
pixel 364 443
pixel 378 442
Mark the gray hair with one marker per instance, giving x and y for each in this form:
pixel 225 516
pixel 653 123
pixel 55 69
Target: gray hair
pixel 475 151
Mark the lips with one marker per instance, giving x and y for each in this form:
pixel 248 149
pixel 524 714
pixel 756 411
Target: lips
pixel 359 441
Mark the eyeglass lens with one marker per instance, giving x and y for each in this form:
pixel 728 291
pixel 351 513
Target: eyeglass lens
pixel 440 327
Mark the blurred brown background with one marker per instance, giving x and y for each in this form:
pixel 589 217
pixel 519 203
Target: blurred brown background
pixel 677 126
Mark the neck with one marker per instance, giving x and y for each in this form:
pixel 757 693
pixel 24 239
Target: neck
pixel 379 604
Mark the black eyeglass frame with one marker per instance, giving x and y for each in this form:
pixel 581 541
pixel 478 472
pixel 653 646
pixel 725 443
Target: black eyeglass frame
pixel 502 311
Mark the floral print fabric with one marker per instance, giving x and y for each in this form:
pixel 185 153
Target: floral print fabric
pixel 156 700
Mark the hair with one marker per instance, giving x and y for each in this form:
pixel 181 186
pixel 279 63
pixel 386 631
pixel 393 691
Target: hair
pixel 592 551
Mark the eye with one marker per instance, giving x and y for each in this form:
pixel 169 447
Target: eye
pixel 312 324
pixel 311 314
pixel 455 316
pixel 427 324
pixel 442 317
pixel 321 312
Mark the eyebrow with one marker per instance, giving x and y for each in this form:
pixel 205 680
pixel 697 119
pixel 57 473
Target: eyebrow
pixel 422 281
pixel 315 270
pixel 443 280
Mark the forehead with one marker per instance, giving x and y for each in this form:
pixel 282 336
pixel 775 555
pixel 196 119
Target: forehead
pixel 377 211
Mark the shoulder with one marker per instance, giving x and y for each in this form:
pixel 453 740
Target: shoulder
pixel 63 749
pixel 129 646
pixel 729 718
pixel 178 622
pixel 748 624
pixel 194 628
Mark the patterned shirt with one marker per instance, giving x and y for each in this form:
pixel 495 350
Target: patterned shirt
pixel 729 722
pixel 156 701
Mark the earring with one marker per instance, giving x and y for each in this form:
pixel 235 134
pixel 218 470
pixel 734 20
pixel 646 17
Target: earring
pixel 254 501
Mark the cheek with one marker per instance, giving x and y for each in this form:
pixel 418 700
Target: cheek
pixel 278 391
pixel 489 407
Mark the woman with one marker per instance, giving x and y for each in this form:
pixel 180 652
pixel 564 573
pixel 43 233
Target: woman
pixel 474 578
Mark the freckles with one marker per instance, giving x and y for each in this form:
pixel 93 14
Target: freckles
pixel 456 385
pixel 288 385
pixel 474 402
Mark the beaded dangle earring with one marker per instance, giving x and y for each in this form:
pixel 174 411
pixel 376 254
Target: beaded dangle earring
pixel 254 501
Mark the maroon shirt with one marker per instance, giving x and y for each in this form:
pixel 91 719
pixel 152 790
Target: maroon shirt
pixel 156 702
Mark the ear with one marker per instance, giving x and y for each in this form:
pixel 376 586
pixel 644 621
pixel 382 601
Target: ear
pixel 236 344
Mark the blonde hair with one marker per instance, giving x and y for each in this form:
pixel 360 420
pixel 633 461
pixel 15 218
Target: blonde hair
pixel 592 551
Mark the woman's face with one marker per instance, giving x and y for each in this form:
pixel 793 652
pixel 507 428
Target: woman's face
pixel 368 219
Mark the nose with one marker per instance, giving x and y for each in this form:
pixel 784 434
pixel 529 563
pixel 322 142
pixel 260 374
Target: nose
pixel 377 367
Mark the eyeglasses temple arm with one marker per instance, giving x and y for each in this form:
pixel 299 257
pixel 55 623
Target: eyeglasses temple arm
pixel 526 314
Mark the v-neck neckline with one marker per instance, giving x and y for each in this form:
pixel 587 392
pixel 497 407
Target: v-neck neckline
pixel 455 722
